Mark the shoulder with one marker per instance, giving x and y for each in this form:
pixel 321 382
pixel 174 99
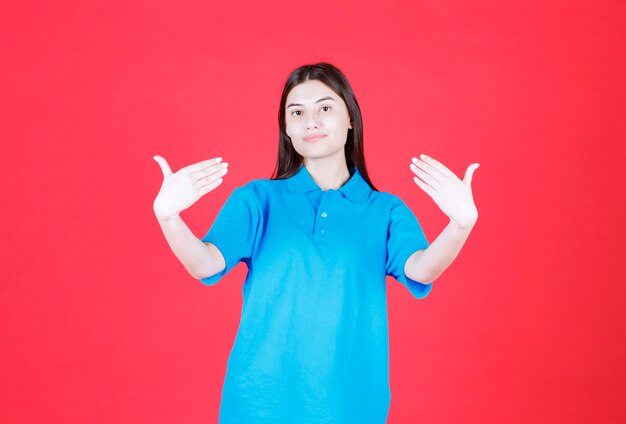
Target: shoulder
pixel 385 200
pixel 262 190
pixel 389 207
pixel 263 186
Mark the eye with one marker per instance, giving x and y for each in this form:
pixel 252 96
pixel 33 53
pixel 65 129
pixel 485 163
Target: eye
pixel 327 107
pixel 295 112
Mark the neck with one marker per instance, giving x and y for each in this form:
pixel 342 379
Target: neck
pixel 328 172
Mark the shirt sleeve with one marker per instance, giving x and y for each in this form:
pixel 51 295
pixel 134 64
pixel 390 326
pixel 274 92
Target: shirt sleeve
pixel 405 237
pixel 234 230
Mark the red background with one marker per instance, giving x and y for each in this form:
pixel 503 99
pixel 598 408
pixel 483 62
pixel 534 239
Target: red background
pixel 100 322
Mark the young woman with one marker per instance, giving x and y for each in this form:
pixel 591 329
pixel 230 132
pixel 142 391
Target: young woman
pixel 318 240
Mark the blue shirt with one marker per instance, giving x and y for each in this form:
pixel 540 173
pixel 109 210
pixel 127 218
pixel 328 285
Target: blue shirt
pixel 312 344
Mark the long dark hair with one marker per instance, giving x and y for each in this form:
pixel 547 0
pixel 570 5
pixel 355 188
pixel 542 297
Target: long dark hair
pixel 289 161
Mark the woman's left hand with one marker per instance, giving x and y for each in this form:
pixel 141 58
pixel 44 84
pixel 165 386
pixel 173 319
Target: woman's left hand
pixel 453 196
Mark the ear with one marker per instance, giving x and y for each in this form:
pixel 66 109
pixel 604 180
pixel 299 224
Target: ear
pixel 350 125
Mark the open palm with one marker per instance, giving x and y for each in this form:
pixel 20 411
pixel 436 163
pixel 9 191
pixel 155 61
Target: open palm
pixel 452 195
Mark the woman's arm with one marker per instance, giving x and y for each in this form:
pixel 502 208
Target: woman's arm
pixel 454 198
pixel 178 192
pixel 200 259
pixel 428 264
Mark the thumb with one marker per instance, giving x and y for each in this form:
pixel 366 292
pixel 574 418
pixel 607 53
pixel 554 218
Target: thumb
pixel 164 166
pixel 469 173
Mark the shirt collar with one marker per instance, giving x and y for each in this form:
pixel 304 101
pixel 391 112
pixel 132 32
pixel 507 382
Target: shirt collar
pixel 356 189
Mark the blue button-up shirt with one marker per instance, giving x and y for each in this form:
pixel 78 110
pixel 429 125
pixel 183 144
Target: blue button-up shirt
pixel 312 343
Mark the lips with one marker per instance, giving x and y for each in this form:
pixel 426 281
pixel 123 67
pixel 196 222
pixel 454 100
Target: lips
pixel 314 137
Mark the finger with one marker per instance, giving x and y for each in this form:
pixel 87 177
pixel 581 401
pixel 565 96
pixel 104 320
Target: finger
pixel 165 168
pixel 469 173
pixel 429 169
pixel 210 170
pixel 437 165
pixel 203 164
pixel 210 187
pixel 432 181
pixel 207 179
pixel 428 189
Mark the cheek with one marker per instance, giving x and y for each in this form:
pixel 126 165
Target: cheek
pixel 293 125
pixel 338 128
pixel 339 122
pixel 289 128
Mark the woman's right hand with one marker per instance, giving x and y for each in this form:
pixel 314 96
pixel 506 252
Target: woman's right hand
pixel 182 189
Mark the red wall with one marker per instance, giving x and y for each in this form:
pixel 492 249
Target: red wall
pixel 100 322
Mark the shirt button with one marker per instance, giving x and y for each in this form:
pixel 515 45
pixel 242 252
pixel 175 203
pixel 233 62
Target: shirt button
pixel 322 231
pixel 324 214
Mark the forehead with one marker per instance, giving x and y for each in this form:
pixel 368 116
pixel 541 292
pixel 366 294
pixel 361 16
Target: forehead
pixel 310 91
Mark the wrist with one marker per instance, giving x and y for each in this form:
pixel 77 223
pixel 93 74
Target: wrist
pixel 465 225
pixel 164 218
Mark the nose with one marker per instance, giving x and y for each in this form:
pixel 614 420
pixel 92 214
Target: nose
pixel 312 122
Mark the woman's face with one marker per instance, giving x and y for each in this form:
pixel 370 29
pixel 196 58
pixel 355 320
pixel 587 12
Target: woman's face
pixel 317 120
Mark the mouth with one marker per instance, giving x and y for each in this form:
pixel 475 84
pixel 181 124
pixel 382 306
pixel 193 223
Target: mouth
pixel 314 137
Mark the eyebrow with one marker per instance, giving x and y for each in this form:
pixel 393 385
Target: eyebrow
pixel 320 100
